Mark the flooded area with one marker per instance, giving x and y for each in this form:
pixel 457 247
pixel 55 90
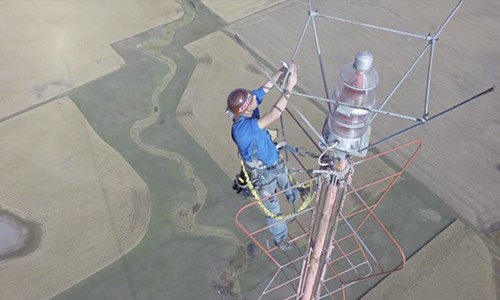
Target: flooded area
pixel 17 237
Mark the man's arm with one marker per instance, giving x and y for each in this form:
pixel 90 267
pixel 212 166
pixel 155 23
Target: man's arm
pixel 274 78
pixel 281 103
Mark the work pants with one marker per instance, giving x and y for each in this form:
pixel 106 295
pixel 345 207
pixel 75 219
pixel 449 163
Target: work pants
pixel 267 181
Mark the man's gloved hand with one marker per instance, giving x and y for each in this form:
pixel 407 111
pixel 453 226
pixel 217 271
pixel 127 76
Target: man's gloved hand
pixel 292 78
pixel 281 146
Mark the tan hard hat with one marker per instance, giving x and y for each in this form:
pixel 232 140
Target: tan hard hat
pixel 239 100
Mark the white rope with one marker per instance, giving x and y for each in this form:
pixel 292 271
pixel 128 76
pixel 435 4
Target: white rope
pixel 324 152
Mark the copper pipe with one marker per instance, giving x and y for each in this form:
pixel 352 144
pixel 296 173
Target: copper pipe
pixel 319 243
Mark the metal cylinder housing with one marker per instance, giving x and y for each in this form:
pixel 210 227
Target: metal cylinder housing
pixel 346 125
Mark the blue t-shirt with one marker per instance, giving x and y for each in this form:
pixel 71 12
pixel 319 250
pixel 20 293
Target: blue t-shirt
pixel 252 141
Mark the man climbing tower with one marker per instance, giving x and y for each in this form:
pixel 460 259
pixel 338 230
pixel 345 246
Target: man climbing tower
pixel 257 149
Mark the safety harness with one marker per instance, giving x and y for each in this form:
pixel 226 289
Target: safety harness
pixel 253 192
pixel 244 186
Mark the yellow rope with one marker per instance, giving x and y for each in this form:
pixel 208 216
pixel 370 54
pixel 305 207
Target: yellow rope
pixel 267 212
